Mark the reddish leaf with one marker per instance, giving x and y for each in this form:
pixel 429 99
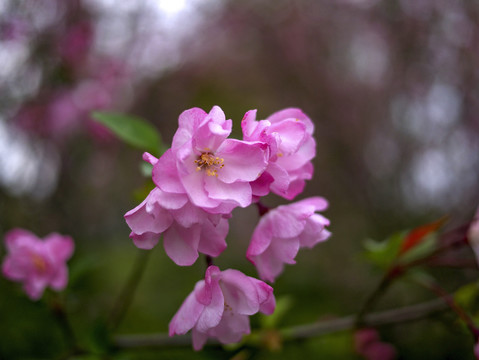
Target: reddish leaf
pixel 417 235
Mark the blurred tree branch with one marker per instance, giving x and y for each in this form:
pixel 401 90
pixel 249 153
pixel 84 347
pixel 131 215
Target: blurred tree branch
pixel 319 328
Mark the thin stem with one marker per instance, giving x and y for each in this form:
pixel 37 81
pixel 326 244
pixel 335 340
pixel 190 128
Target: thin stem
pixel 58 310
pixel 209 261
pixel 262 209
pixel 449 300
pixel 380 289
pixel 394 316
pixel 127 293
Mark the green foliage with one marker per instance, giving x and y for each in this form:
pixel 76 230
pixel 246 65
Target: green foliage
pixel 132 130
pixel 283 305
pixel 399 249
pixel 382 254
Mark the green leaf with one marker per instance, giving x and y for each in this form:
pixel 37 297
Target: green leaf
pixel 467 295
pixel 382 254
pixel 283 305
pixel 132 130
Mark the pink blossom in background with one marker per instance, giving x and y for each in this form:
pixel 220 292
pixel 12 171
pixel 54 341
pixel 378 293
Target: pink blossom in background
pixel 291 146
pixel 74 45
pixel 281 232
pixel 220 307
pixel 38 263
pixel 186 228
pixel 368 344
pixel 214 171
pixel 473 235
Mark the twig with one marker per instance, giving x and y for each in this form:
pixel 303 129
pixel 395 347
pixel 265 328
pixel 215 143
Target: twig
pixel 408 313
pixel 127 293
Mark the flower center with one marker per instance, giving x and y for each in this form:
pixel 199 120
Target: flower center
pixel 210 163
pixel 39 263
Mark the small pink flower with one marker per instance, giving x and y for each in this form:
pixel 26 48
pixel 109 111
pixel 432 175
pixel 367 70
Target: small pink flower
pixel 368 344
pixel 186 228
pixel 473 235
pixel 37 263
pixel 281 232
pixel 215 172
pixel 220 307
pixel 291 145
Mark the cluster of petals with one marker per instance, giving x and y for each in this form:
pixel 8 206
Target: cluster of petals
pixel 214 171
pixel 186 228
pixel 291 147
pixel 281 232
pixel 220 306
pixel 37 263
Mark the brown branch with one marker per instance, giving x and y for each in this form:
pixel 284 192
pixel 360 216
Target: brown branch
pixel 394 316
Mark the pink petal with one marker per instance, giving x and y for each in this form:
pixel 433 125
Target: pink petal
pixel 314 231
pixel 188 121
pixel 292 113
pixel 18 237
pixel 199 339
pixel 240 292
pixel 187 316
pixel 60 280
pixel 194 185
pixel 35 286
pixel 148 216
pixel 294 161
pixel 243 161
pixel 286 223
pixel 59 247
pixel 249 124
pixel 292 134
pixel 211 315
pixel 145 241
pixel 149 158
pixel 181 244
pixel 231 328
pixel 212 238
pixel 212 131
pixel 260 240
pixel 238 192
pixel 165 173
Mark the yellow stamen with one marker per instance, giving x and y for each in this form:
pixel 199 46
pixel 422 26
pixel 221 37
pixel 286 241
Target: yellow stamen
pixel 39 262
pixel 210 163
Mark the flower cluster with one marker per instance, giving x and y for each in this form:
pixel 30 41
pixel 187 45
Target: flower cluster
pixel 199 181
pixel 37 263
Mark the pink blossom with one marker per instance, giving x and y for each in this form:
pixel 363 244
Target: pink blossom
pixel 37 263
pixel 291 145
pixel 368 344
pixel 186 228
pixel 214 171
pixel 473 235
pixel 220 307
pixel 281 232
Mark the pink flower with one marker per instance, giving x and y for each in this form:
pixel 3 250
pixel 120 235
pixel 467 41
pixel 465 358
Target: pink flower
pixel 368 344
pixel 281 232
pixel 215 172
pixel 473 235
pixel 288 134
pixel 186 228
pixel 37 263
pixel 220 307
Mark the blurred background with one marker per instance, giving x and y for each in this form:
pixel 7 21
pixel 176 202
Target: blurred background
pixel 392 87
